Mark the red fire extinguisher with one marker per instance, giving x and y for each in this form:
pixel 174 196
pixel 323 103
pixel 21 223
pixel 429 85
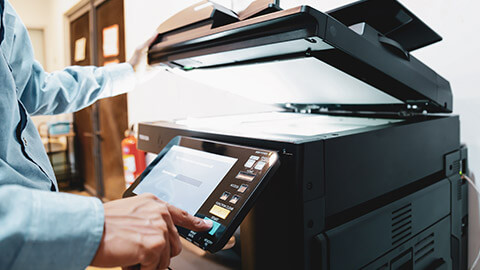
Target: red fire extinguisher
pixel 133 159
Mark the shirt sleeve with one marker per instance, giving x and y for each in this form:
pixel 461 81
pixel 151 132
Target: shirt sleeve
pixel 74 88
pixel 47 230
pixel 69 90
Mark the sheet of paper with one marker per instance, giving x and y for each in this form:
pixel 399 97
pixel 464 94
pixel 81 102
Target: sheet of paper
pixel 111 41
pixel 80 49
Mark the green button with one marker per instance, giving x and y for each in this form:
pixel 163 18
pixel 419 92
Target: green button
pixel 214 228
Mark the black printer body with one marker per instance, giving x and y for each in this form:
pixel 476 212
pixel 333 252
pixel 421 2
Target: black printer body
pixel 371 160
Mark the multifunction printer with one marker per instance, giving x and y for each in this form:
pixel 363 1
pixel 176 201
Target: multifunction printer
pixel 371 163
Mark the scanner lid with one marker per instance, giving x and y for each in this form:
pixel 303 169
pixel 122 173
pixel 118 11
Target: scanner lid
pixel 307 60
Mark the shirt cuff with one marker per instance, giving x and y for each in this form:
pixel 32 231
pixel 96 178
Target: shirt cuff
pixel 122 78
pixel 66 228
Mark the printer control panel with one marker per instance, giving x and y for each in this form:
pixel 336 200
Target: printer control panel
pixel 231 196
pixel 211 180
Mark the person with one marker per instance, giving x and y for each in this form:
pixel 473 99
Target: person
pixel 41 229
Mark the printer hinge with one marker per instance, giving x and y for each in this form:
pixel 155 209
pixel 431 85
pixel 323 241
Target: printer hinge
pixel 302 108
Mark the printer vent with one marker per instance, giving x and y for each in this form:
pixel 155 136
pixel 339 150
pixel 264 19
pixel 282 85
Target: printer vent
pixel 401 224
pixel 424 248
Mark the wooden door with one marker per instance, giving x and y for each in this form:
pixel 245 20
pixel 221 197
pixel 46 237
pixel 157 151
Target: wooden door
pixel 80 40
pixel 112 111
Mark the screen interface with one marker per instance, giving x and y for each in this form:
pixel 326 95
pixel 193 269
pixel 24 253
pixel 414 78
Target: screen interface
pixel 186 177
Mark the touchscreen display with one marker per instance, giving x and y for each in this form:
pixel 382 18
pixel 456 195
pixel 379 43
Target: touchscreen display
pixel 186 177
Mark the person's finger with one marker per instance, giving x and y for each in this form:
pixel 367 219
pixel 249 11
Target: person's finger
pixel 175 244
pixel 153 256
pixel 158 254
pixel 151 40
pixel 161 267
pixel 140 52
pixel 147 43
pixel 165 254
pixel 164 261
pixel 150 266
pixel 187 221
pixel 230 244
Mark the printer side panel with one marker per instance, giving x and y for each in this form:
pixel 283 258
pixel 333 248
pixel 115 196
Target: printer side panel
pixel 364 170
pixel 312 178
pixel 456 164
pixel 427 229
pixel 410 233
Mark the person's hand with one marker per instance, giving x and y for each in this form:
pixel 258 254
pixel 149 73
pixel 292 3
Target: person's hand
pixel 141 231
pixel 140 52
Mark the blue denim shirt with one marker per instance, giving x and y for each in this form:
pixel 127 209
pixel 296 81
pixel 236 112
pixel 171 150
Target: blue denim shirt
pixel 40 229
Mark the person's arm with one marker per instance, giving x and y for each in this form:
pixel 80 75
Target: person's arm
pixel 141 231
pixel 68 90
pixel 76 87
pixel 46 230
pixel 63 231
pixel 73 88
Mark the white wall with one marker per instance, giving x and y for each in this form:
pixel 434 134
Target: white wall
pixel 47 15
pixel 36 14
pixel 59 49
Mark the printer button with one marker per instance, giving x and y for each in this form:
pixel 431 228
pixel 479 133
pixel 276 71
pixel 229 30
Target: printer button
pixel 254 158
pixel 242 188
pixel 234 199
pixel 220 212
pixel 246 176
pixel 249 163
pixel 225 196
pixel 260 165
pixel 214 228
